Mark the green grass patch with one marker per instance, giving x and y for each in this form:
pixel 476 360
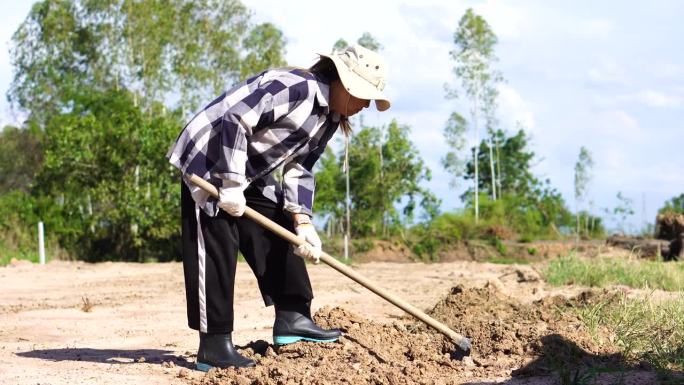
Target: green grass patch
pixel 642 328
pixel 503 260
pixel 6 257
pixel 601 272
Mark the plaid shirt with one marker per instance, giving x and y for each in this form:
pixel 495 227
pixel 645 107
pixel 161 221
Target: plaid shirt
pixel 278 118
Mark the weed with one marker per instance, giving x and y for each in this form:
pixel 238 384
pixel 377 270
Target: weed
pixel 87 305
pixel 642 328
pixel 605 271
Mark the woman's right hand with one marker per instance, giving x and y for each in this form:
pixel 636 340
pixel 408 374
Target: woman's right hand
pixel 232 200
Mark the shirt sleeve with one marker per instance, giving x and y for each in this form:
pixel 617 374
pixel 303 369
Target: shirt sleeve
pixel 299 184
pixel 271 102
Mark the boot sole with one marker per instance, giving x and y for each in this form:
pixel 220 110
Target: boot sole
pixel 286 340
pixel 203 367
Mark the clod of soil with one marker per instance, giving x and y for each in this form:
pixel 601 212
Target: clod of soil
pixel 507 336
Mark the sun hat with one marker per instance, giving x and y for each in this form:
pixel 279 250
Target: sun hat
pixel 363 73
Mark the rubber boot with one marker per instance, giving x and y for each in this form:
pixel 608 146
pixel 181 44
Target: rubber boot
pixel 294 323
pixel 217 350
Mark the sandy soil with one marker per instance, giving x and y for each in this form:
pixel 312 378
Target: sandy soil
pixel 134 330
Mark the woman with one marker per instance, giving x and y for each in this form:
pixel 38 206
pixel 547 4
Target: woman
pixel 280 119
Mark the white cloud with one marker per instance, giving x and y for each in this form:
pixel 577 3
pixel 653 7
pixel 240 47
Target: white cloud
pixel 653 98
pixel 618 125
pixel 516 109
pixel 594 28
pixel 607 71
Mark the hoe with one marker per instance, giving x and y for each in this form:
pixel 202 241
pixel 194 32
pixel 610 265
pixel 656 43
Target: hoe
pixel 460 341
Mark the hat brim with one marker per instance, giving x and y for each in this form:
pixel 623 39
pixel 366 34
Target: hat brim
pixel 358 86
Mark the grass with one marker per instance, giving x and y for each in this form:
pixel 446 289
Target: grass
pixel 7 255
pixel 601 272
pixel 642 328
pixel 504 260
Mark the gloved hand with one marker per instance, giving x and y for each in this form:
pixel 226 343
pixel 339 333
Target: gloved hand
pixel 232 200
pixel 311 249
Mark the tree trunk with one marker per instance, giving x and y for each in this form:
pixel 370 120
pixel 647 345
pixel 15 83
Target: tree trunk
pixel 475 160
pixel 491 168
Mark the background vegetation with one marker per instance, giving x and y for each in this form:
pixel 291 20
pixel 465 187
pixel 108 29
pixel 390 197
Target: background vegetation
pixel 107 85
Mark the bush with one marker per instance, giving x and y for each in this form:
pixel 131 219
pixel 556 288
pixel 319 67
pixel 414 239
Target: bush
pixel 19 229
pixel 106 188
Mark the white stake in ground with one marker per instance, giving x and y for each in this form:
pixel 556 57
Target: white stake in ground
pixel 41 243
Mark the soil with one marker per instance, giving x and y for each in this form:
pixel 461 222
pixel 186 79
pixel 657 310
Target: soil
pixel 117 323
pixel 536 339
pixel 482 251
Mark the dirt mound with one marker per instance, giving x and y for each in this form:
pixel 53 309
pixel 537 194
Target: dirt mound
pixel 538 338
pixel 385 251
pixel 535 339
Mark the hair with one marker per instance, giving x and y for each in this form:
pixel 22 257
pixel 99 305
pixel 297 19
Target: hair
pixel 325 70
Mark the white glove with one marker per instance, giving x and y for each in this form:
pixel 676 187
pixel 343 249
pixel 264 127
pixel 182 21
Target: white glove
pixel 311 249
pixel 232 200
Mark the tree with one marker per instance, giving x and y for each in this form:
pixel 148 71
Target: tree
pixel 340 45
pixel 20 158
pixel 94 77
pixel 454 134
pixel 384 195
pixel 515 174
pixel 474 57
pixel 528 204
pixel 265 47
pixel 154 49
pixel 106 188
pixel 676 205
pixel 582 179
pixel 623 210
pixel 368 41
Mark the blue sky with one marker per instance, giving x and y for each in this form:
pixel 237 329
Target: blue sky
pixel 606 75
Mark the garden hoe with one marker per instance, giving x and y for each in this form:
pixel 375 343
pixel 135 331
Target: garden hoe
pixel 460 341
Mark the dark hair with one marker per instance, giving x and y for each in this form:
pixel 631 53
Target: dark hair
pixel 325 70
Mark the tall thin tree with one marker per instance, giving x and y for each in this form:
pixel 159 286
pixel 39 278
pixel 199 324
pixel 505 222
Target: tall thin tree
pixel 474 57
pixel 582 179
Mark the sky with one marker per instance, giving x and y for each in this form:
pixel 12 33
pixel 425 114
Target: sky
pixel 606 75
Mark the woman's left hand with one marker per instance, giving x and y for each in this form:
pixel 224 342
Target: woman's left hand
pixel 312 249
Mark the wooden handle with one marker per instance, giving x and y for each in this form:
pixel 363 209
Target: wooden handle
pixel 461 341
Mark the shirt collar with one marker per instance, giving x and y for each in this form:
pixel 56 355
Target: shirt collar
pixel 323 95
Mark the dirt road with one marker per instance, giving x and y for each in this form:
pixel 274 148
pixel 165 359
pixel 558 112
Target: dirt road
pixel 116 323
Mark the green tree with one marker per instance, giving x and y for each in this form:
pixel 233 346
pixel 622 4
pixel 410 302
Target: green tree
pixel 528 204
pixel 582 179
pixel 454 134
pixel 623 210
pixel 515 165
pixel 676 205
pixel 340 45
pixel 474 56
pixel 20 157
pixel 105 186
pixel 384 194
pixel 155 49
pixel 265 47
pixel 368 41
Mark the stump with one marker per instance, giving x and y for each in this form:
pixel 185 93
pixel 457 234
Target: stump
pixel 669 226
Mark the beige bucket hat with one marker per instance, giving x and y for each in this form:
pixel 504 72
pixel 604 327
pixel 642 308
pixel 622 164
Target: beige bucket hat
pixel 363 73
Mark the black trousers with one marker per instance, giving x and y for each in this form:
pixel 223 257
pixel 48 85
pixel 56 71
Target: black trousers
pixel 210 252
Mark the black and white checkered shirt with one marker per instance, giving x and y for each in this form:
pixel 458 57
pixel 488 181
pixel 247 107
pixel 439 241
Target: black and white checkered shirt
pixel 279 118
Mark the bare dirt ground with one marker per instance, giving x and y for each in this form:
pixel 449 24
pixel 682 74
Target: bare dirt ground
pixel 117 323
